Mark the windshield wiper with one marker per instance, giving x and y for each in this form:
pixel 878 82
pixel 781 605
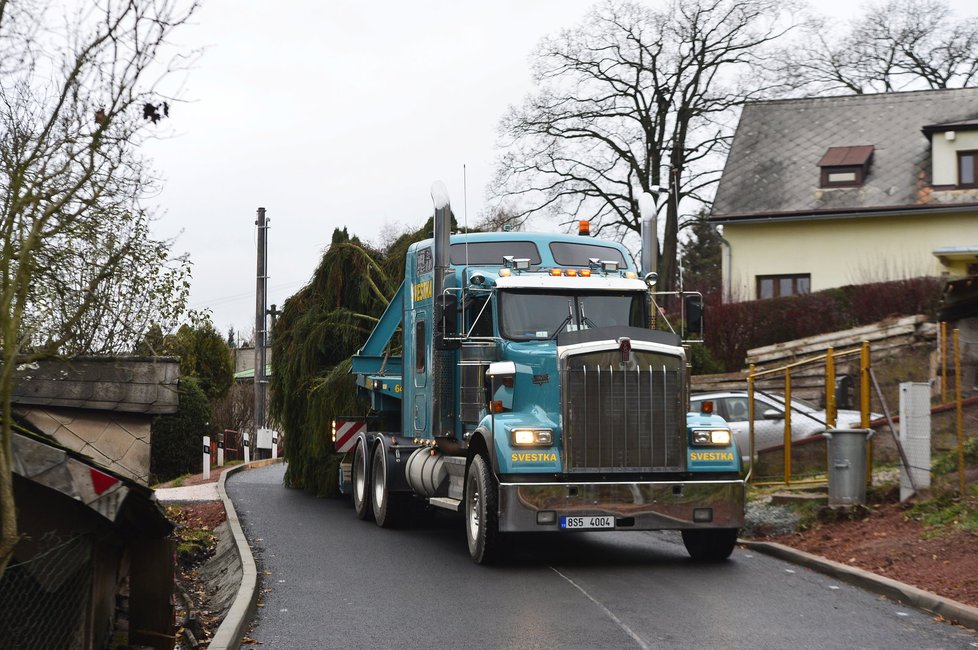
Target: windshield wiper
pixel 584 319
pixel 563 324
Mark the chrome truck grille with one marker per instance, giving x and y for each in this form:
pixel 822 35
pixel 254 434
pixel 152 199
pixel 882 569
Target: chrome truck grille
pixel 623 417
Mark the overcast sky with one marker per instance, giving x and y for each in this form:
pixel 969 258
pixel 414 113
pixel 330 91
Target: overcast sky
pixel 332 113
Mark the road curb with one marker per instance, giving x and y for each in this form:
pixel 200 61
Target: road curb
pixel 927 601
pixel 232 629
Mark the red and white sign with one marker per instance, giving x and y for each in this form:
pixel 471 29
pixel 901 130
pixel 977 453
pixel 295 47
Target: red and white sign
pixel 345 433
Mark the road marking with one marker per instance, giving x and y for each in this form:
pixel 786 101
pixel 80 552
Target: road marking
pixel 642 644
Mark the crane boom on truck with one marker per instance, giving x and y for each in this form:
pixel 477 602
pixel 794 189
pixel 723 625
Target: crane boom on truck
pixel 530 395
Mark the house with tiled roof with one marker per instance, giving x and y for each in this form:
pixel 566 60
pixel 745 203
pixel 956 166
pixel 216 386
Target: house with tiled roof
pixel 825 192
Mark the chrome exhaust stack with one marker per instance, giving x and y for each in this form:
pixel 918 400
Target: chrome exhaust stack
pixel 444 320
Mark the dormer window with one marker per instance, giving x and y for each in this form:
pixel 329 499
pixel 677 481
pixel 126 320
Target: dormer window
pixel 968 169
pixel 845 166
pixel 954 157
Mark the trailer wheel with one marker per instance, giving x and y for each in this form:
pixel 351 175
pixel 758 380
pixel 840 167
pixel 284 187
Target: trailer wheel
pixel 711 545
pixel 361 483
pixel 481 512
pixel 389 508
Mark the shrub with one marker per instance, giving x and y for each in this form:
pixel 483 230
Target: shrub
pixel 733 329
pixel 177 439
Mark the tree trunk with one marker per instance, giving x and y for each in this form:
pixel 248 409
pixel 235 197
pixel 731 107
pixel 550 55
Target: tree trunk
pixel 8 509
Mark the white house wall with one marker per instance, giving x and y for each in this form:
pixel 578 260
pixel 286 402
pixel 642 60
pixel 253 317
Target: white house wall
pixel 841 252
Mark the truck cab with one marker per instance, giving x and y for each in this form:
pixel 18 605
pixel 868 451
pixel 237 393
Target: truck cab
pixel 533 396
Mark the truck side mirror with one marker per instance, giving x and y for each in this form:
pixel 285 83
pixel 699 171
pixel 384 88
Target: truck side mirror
pixel 446 322
pixel 693 309
pixel 501 376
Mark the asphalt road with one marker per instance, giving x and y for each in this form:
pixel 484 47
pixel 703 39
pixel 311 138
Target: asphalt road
pixel 330 580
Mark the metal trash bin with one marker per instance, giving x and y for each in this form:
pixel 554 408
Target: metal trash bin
pixel 847 465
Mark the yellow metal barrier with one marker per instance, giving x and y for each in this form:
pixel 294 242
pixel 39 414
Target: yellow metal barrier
pixel 831 407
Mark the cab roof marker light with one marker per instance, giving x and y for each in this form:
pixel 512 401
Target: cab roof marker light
pixel 584 273
pixel 556 272
pixel 571 273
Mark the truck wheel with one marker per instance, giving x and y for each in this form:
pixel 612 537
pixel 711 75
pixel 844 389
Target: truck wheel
pixel 481 512
pixel 388 508
pixel 361 483
pixel 712 545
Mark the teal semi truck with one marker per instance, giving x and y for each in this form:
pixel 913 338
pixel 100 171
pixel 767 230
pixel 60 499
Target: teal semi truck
pixel 530 395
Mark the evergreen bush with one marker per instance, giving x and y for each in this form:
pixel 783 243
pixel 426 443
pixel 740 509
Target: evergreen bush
pixel 320 328
pixel 177 439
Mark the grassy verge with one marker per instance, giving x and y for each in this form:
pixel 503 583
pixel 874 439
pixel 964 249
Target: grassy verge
pixel 194 544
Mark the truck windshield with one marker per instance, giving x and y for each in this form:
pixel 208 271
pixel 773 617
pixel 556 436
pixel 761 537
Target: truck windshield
pixel 531 315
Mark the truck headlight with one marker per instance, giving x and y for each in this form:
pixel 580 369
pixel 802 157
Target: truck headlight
pixel 532 437
pixel 711 437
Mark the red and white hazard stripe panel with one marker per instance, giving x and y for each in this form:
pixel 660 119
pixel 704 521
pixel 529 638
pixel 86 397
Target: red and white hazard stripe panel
pixel 345 433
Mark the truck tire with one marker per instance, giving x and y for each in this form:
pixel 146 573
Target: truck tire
pixel 389 508
pixel 481 512
pixel 710 545
pixel 361 482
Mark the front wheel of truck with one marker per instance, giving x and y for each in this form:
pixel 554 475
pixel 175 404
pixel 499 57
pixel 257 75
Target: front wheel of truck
pixel 710 545
pixel 361 483
pixel 481 512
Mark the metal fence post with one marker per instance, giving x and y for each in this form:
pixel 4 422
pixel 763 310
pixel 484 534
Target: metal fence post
pixel 787 426
pixel 864 405
pixel 942 344
pixel 958 409
pixel 831 407
pixel 750 418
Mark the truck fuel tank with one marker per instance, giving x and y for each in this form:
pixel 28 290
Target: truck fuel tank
pixel 426 472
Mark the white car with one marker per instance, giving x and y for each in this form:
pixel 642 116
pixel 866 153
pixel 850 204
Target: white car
pixel 807 419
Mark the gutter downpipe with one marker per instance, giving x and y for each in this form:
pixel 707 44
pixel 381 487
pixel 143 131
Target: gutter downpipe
pixel 728 297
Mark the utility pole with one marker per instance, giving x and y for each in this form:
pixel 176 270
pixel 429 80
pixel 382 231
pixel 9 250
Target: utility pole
pixel 261 293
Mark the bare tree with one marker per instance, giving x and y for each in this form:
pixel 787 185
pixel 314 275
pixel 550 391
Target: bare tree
pixel 634 101
pixel 79 270
pixel 894 45
pixel 236 410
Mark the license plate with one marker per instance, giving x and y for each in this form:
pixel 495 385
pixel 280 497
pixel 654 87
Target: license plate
pixel 581 523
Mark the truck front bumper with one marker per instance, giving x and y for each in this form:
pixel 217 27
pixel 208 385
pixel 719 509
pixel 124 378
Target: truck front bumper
pixel 667 505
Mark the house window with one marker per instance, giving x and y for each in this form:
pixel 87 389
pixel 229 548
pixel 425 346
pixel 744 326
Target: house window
pixel 845 166
pixel 968 169
pixel 777 286
pixel 842 176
